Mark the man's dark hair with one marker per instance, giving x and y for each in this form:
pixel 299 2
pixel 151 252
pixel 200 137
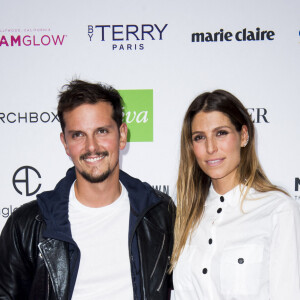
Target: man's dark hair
pixel 79 92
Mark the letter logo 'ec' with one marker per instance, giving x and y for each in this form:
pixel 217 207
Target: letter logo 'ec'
pixel 28 173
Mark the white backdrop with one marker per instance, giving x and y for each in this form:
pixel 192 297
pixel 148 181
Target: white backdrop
pixel 44 44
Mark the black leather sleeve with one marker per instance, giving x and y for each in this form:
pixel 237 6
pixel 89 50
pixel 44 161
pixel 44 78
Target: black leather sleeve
pixel 18 251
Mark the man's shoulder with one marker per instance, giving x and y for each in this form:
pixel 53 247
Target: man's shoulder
pixel 143 190
pixel 23 220
pixel 135 184
pixel 163 213
pixel 165 200
pixel 27 210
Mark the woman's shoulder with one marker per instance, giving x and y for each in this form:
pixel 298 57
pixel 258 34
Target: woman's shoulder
pixel 277 199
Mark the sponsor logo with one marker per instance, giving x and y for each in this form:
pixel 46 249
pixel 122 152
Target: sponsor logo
pixel 297 184
pixel 16 37
pixel 28 117
pixel 26 181
pixel 128 37
pixel 7 211
pixel 297 188
pixel 244 35
pixel 163 188
pixel 138 114
pixel 137 110
pixel 258 115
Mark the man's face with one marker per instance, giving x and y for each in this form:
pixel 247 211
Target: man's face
pixel 92 139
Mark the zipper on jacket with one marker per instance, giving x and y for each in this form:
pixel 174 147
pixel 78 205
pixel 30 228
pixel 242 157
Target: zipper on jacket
pixel 133 281
pixel 164 276
pixel 48 285
pixel 158 257
pixel 47 294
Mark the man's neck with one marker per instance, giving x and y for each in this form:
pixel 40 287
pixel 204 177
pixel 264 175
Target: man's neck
pixel 98 194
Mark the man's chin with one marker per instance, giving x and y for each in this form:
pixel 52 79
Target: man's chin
pixel 95 178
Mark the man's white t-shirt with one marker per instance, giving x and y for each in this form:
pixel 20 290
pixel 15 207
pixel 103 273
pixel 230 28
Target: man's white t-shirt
pixel 102 237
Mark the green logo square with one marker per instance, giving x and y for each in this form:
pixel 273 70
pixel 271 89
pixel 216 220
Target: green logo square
pixel 138 114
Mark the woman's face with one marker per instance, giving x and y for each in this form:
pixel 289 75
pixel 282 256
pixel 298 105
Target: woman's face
pixel 217 147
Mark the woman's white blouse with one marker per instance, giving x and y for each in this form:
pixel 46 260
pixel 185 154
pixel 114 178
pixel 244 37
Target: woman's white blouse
pixel 252 254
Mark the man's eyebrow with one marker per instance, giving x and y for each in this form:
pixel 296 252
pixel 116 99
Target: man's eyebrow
pixel 73 131
pixel 104 126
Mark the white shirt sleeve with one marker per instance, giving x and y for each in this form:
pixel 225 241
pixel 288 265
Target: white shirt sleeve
pixel 285 253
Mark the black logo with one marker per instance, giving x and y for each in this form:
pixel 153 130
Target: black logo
pixel 27 172
pixel 259 115
pixel 243 35
pixel 162 188
pixel 28 117
pixel 127 37
pixel 297 184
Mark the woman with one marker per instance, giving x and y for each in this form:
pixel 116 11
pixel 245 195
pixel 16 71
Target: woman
pixel 237 236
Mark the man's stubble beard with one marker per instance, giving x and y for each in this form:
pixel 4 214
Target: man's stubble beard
pixel 99 178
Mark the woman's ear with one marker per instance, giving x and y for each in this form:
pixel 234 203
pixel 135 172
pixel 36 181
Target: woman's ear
pixel 244 136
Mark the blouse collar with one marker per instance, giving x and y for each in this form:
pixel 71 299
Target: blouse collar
pixel 233 197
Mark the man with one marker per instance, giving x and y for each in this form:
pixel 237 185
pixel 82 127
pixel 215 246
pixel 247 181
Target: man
pixel 100 234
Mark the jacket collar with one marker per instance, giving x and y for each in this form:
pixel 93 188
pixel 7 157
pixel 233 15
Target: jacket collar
pixel 141 195
pixel 54 204
pixel 54 207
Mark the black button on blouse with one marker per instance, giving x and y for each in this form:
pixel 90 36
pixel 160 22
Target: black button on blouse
pixel 241 260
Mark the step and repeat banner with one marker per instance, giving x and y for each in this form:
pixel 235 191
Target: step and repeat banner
pixel 160 55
